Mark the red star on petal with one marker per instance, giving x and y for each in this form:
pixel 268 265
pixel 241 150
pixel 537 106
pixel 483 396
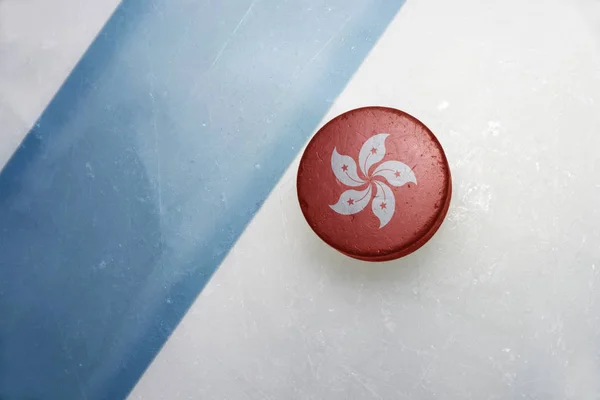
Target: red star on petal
pixel 344 167
pixel 350 202
pixel 373 150
pixel 383 205
pixel 397 174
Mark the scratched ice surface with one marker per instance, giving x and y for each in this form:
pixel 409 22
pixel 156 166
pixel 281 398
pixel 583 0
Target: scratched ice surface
pixel 504 302
pixel 145 168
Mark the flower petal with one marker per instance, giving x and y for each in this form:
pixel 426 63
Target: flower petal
pixel 352 201
pixel 396 173
pixel 384 204
pixel 372 152
pixel 344 169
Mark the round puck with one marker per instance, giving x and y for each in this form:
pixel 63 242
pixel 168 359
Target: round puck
pixel 374 183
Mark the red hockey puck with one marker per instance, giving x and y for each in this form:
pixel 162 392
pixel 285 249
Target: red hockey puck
pixel 374 183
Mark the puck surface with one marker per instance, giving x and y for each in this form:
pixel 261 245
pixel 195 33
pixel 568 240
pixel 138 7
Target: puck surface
pixel 374 183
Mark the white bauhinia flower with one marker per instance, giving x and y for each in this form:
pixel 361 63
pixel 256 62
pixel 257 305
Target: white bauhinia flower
pixel 395 173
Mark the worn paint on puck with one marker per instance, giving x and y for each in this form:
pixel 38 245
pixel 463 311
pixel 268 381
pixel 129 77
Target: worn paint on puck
pixel 374 183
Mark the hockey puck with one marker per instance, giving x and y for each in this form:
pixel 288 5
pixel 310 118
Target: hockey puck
pixel 374 183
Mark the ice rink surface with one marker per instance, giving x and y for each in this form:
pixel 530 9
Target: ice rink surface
pixel 164 156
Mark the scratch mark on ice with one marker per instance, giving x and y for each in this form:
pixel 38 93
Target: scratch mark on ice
pixel 367 387
pixel 318 53
pixel 228 40
pixel 157 151
pixel 430 365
